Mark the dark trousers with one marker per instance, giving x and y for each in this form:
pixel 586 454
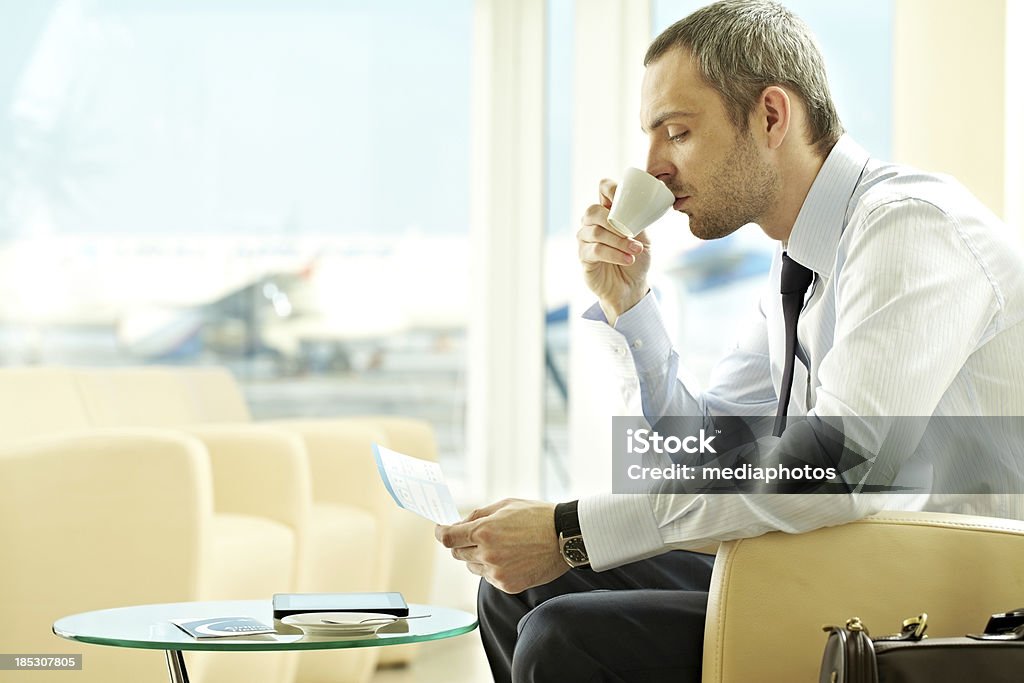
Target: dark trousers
pixel 640 622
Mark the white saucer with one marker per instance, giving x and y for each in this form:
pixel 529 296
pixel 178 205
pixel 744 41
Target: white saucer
pixel 347 623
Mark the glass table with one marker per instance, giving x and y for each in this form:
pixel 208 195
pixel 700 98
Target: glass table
pixel 149 627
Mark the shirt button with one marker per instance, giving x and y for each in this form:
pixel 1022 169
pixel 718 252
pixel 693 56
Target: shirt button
pixel 619 351
pixel 637 343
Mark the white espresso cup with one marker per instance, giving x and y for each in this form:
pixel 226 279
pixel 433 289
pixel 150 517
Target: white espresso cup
pixel 639 200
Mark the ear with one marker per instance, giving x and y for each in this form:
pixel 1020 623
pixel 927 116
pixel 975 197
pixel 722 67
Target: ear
pixel 775 109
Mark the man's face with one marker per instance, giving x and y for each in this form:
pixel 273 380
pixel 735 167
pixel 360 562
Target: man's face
pixel 718 174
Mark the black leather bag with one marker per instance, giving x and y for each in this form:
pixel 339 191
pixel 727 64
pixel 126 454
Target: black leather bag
pixel 995 656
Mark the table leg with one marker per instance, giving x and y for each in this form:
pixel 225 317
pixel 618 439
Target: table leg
pixel 176 666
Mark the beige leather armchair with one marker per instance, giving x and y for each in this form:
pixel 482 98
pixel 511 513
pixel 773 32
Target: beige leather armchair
pixel 267 518
pixel 260 480
pixel 346 504
pixel 770 595
pixel 355 538
pixel 261 499
pixel 345 476
pixel 399 547
pixel 344 480
pixel 298 504
pixel 94 521
pixel 413 547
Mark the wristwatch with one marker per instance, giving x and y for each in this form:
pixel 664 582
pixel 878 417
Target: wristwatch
pixel 570 538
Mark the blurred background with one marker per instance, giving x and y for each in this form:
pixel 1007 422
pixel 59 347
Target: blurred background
pixel 371 207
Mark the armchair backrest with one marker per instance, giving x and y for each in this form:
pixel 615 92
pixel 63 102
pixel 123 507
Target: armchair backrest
pixel 135 396
pixel 771 595
pixel 39 402
pixel 214 393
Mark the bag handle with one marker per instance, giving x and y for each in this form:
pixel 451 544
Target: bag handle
pixel 1008 626
pixel 913 630
pixel 1012 634
pixel 1003 626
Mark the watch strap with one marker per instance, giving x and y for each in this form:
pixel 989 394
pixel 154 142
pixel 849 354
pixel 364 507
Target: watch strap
pixel 567 519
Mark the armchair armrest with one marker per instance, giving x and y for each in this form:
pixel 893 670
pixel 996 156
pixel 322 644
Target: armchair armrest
pixel 341 461
pixel 771 595
pixel 258 471
pixel 98 520
pixel 345 474
pixel 260 475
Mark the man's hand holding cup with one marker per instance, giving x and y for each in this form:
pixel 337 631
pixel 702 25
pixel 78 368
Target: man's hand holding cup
pixel 612 247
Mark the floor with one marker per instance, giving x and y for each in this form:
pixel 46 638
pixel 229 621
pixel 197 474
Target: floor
pixel 454 660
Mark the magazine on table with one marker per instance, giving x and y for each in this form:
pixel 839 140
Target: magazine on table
pixel 222 627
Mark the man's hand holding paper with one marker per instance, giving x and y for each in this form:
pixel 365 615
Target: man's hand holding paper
pixel 512 544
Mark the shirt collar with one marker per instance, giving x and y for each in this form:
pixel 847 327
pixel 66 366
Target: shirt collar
pixel 822 218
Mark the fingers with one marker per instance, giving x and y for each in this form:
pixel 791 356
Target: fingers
pixel 460 534
pixel 598 244
pixel 488 510
pixel 469 555
pixel 607 190
pixel 602 253
pixel 455 535
pixel 595 228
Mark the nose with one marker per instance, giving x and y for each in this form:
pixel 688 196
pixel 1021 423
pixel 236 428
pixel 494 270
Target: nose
pixel 659 166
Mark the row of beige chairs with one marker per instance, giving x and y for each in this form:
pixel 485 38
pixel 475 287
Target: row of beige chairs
pixel 141 485
pixel 153 485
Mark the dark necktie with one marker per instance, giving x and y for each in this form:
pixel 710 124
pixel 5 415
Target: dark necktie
pixel 795 281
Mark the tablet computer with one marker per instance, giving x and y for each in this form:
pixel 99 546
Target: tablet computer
pixel 286 604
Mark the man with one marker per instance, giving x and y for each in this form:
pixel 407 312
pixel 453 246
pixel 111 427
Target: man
pixel 912 305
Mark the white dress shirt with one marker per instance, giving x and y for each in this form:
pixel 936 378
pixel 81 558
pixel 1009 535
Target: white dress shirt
pixel 916 309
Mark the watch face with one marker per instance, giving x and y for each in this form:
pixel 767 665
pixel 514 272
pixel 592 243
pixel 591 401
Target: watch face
pixel 575 552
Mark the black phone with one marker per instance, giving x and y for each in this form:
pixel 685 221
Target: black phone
pixel 286 604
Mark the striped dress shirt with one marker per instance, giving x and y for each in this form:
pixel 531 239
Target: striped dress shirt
pixel 916 309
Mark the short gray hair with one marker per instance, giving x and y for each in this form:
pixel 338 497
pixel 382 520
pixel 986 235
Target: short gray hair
pixel 744 46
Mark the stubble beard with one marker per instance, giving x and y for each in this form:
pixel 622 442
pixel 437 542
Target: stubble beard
pixel 741 190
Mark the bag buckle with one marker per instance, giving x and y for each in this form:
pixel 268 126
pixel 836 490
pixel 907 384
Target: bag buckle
pixel 853 624
pixel 913 629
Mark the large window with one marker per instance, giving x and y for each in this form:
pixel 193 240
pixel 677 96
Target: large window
pixel 286 188
pixel 560 247
pixel 278 187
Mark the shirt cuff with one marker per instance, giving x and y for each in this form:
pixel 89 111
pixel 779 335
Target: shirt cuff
pixel 619 528
pixel 645 334
pixel 614 353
